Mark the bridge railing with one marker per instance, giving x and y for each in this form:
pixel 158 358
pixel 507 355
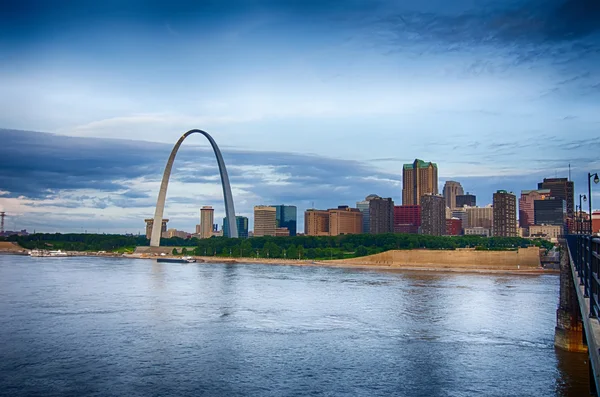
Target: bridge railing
pixel 585 251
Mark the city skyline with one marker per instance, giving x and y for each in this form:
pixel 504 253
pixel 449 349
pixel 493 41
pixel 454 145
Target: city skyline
pixel 310 102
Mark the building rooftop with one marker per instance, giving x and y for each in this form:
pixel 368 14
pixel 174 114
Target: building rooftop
pixel 420 164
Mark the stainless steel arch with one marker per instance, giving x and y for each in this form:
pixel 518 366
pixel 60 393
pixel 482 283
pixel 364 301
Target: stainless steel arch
pixel 162 194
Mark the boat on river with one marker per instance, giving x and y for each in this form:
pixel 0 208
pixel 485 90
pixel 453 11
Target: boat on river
pixel 184 259
pixel 45 253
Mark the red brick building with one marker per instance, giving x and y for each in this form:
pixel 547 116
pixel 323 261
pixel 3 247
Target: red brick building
pixel 453 227
pixel 407 218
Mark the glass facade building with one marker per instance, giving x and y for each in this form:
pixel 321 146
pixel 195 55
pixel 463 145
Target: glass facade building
pixel 242 226
pixel 286 216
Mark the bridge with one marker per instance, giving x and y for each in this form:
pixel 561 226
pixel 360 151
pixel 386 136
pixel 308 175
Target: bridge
pixel 577 316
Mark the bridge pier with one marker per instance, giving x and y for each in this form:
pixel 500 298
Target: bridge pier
pixel 569 334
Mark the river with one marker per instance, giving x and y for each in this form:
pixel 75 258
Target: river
pixel 106 326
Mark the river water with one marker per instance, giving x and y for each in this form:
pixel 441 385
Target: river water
pixel 105 326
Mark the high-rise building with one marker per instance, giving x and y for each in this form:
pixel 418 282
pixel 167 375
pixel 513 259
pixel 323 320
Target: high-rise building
pixel 451 190
pixel 265 221
pixel 407 218
pixel 433 214
pixel 316 222
pixel 363 207
pixel 466 199
pixel 551 211
pixel 344 220
pixel 286 216
pixel 453 227
pixel 381 215
pixel 562 189
pixel 526 214
pixel 242 226
pixel 150 224
pixel 480 217
pixel 505 214
pixel 418 178
pixel 207 218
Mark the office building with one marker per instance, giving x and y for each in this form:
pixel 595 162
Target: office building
pixel 418 179
pixel 265 221
pixel 453 227
pixel 316 222
pixel 451 190
pixel 505 214
pixel 546 232
pixel 282 232
pixel 551 211
pixel 345 220
pixel 242 226
pixel 286 216
pixel 207 218
pixel 461 213
pixel 480 217
pixel 150 224
pixel 177 233
pixel 562 189
pixel 526 213
pixel 363 207
pixel 476 231
pixel 466 199
pixel 407 218
pixel 433 215
pixel 381 215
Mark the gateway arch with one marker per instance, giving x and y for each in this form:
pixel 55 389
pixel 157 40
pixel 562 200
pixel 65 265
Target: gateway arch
pixel 162 194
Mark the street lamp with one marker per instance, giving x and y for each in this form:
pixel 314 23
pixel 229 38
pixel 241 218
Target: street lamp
pixel 596 180
pixel 581 196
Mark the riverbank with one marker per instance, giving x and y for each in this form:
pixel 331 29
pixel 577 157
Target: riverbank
pixel 364 263
pixel 523 261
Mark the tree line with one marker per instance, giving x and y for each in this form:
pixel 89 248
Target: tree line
pixel 296 247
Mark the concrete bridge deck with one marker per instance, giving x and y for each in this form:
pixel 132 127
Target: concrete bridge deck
pixel 578 325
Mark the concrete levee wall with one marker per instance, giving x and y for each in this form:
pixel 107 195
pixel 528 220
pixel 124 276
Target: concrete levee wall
pixel 460 258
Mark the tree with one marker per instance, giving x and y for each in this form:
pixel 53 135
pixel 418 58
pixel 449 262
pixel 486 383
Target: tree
pixel 174 252
pixel 361 251
pixel 184 251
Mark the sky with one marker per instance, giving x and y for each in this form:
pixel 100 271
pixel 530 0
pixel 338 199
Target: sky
pixel 313 103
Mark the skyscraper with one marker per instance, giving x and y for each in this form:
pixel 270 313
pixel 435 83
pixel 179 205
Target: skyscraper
pixel 265 221
pixel 286 216
pixel 418 178
pixel 207 218
pixel 466 199
pixel 381 215
pixel 344 220
pixel 551 211
pixel 242 226
pixel 451 190
pixel 505 214
pixel 363 207
pixel 433 215
pixel 528 197
pixel 562 189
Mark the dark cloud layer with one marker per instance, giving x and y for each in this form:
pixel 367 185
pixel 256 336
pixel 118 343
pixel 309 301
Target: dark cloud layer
pixel 38 165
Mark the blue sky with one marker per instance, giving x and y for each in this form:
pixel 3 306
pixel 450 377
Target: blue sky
pixel 310 101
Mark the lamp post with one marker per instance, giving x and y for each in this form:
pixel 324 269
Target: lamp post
pixel 581 196
pixel 596 180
